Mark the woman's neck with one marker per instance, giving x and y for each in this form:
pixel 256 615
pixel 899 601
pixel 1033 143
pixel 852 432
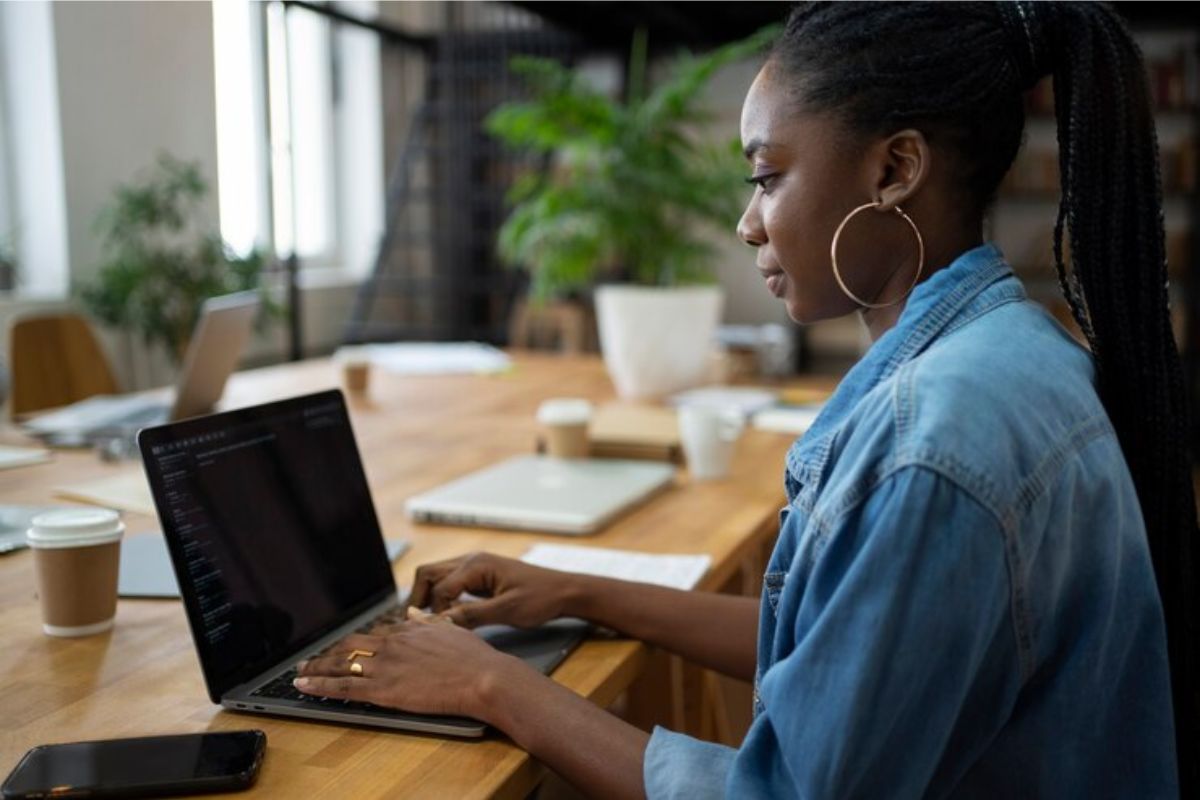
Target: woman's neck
pixel 939 254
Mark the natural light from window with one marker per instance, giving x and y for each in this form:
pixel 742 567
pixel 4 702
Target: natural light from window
pixel 314 185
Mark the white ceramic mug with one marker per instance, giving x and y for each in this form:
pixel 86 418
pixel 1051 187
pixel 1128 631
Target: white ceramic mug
pixel 708 436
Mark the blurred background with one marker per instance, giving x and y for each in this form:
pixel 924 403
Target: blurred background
pixel 349 159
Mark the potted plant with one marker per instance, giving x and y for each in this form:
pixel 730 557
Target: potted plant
pixel 622 204
pixel 162 261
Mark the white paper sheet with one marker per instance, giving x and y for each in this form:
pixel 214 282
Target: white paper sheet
pixel 125 491
pixel 431 358
pixel 787 419
pixel 22 456
pixel 676 571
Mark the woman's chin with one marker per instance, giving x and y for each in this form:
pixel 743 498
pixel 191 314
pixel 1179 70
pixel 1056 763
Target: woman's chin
pixel 799 312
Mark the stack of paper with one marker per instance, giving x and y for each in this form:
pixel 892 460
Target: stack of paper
pixel 675 571
pixel 746 399
pixel 431 358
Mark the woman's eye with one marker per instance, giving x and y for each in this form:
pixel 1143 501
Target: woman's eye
pixel 762 181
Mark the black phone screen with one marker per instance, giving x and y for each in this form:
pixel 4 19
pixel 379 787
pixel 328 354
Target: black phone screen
pixel 149 766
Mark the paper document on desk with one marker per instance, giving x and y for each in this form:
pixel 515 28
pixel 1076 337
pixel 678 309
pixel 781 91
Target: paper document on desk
pixel 675 571
pixel 127 491
pixel 11 457
pixel 787 419
pixel 431 358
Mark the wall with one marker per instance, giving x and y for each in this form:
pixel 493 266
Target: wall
pixel 134 79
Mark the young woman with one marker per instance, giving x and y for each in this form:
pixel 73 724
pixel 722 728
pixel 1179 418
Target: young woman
pixel 963 598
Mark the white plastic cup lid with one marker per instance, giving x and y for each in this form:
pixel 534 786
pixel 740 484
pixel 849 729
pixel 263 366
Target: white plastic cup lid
pixel 74 527
pixel 564 411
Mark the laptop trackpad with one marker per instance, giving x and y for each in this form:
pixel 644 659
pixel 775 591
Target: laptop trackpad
pixel 543 648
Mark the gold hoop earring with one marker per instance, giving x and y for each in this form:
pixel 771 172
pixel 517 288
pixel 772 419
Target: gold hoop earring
pixel 920 256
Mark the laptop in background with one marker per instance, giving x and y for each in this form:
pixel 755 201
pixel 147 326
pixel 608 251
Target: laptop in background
pixel 278 554
pixel 542 493
pixel 222 330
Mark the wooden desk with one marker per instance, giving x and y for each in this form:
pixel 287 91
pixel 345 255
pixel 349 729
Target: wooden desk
pixel 143 677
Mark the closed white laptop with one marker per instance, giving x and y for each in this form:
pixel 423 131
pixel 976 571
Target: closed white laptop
pixel 542 493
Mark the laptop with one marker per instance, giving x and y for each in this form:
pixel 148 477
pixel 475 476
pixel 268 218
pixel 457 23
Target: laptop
pixel 542 493
pixel 216 346
pixel 278 554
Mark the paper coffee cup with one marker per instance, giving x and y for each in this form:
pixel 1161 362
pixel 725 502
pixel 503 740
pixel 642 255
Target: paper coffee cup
pixel 565 423
pixel 357 375
pixel 76 556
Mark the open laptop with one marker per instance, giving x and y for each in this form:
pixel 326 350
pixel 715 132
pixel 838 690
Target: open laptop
pixel 278 554
pixel 542 493
pixel 216 346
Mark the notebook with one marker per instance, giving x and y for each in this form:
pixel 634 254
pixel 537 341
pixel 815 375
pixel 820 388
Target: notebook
pixel 146 566
pixel 542 493
pixel 278 554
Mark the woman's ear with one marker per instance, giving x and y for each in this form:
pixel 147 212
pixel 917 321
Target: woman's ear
pixel 901 167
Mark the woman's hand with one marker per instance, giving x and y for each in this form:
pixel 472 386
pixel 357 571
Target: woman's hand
pixel 419 666
pixel 514 593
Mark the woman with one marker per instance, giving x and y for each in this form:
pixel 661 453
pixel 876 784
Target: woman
pixel 962 600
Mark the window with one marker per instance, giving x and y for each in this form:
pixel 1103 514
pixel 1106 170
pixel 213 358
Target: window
pixel 314 183
pixel 33 214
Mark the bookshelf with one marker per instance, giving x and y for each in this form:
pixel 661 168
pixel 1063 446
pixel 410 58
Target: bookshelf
pixel 1022 221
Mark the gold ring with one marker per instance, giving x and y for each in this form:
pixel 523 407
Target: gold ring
pixel 356 668
pixel 364 653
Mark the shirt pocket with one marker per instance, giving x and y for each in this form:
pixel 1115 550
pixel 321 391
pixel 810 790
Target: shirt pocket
pixel 773 588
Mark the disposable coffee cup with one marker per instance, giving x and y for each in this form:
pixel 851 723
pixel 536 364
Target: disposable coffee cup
pixel 76 553
pixel 357 375
pixel 564 422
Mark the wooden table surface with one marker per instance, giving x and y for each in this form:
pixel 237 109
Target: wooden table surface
pixel 143 677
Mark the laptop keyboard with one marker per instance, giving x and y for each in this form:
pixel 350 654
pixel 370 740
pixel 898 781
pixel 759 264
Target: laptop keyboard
pixel 282 688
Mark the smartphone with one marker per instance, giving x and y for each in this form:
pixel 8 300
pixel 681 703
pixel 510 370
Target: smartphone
pixel 151 766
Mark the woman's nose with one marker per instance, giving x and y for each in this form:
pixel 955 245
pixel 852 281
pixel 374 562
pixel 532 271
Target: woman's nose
pixel 749 227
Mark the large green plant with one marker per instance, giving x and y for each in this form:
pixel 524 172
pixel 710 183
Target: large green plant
pixel 161 261
pixel 629 180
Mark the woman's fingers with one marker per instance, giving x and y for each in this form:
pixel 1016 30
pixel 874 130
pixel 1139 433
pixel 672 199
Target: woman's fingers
pixel 343 688
pixel 474 613
pixel 475 575
pixel 427 576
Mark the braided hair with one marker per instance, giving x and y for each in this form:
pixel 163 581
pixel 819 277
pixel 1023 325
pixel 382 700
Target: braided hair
pixel 957 72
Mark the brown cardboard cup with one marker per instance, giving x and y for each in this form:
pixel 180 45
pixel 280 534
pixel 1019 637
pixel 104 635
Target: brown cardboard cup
pixel 357 375
pixel 565 423
pixel 76 555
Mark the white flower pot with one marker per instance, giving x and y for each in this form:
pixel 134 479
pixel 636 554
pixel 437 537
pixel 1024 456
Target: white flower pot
pixel 657 341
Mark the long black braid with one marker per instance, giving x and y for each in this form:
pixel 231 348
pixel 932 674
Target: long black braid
pixel 957 72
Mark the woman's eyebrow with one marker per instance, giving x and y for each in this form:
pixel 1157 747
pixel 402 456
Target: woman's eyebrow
pixel 754 146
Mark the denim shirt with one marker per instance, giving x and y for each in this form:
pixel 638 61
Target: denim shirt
pixel 961 601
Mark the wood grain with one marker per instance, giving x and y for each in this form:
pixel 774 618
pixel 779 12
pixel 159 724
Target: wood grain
pixel 143 677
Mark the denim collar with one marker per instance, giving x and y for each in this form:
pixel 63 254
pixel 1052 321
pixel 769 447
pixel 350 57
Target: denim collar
pixel 930 309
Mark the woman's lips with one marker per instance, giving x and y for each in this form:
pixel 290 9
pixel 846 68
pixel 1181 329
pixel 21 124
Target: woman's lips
pixel 776 282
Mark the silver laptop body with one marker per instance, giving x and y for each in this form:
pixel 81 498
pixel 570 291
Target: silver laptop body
pixel 222 330
pixel 543 493
pixel 278 554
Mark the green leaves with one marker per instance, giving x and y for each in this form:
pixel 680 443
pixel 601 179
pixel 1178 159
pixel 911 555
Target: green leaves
pixel 627 182
pixel 160 263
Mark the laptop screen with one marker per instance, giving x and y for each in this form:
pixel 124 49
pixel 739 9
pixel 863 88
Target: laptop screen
pixel 271 530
